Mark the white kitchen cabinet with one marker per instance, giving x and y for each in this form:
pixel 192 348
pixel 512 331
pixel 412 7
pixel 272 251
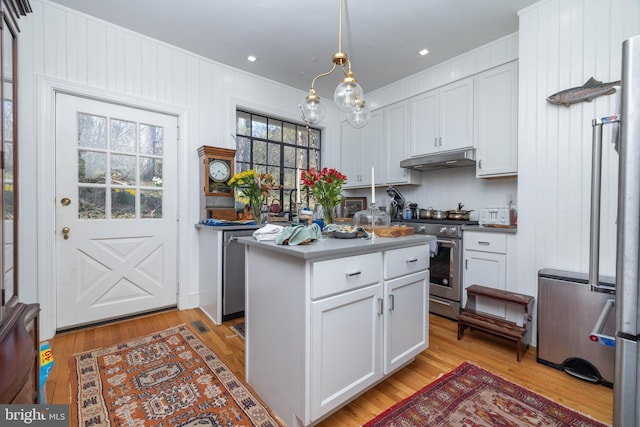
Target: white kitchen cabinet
pixel 346 338
pixel 489 260
pixel 442 119
pixel 497 121
pixel 321 330
pixel 397 140
pixel 381 144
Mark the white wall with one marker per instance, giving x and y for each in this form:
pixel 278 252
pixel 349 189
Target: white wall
pixel 63 49
pixel 562 44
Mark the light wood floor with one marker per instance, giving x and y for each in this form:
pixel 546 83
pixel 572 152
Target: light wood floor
pixel 445 353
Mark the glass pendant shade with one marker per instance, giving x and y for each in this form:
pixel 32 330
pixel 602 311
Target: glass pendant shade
pixel 360 116
pixel 313 110
pixel 348 95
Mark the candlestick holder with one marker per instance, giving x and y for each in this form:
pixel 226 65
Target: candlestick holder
pixel 373 221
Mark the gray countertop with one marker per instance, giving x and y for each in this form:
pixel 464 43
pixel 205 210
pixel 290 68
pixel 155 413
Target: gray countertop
pixel 330 247
pixel 510 230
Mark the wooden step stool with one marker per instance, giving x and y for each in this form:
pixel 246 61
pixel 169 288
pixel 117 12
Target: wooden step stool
pixel 470 318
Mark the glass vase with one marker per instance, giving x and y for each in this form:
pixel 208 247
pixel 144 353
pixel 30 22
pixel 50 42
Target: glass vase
pixel 328 214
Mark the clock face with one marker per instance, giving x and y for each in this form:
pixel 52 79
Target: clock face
pixel 219 170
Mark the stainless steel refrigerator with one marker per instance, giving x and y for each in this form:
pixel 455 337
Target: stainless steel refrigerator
pixel 626 389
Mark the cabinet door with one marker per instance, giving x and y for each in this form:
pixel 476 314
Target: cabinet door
pixel 497 124
pixel 345 352
pixel 397 136
pixel 406 328
pixel 486 269
pixel 372 146
pixel 456 115
pixel 350 150
pixel 424 123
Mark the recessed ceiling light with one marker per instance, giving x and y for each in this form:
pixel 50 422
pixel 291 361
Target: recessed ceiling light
pixel 251 58
pixel 423 52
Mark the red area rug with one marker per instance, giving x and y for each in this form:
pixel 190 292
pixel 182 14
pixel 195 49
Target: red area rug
pixel 470 396
pixel 167 379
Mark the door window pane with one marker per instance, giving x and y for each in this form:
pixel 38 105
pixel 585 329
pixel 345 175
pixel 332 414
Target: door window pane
pixel 123 203
pixel 123 170
pixel 150 203
pixel 92 203
pixel 150 172
pixel 151 139
pixel 123 136
pixel 92 131
pixel 92 167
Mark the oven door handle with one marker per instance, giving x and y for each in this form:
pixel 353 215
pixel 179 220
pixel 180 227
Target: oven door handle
pixel 447 243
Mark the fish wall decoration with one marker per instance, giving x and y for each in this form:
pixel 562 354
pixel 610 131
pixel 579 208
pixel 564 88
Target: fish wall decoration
pixel 591 89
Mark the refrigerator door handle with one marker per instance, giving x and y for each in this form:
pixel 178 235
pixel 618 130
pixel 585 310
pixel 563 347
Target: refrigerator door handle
pixel 596 334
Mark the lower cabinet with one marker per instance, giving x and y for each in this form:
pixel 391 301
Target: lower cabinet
pixel 333 328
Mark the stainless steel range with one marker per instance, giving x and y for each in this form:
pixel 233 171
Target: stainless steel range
pixel 445 289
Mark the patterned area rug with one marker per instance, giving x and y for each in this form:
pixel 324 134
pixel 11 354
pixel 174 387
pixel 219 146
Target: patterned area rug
pixel 239 329
pixel 471 396
pixel 166 379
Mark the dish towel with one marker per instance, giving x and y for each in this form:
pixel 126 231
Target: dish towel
pixel 268 232
pixel 298 235
pixel 433 247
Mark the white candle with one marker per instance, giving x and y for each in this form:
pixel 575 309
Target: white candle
pixel 298 186
pixel 373 186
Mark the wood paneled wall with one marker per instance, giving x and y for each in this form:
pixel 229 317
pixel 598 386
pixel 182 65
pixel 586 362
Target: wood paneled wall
pixel 562 44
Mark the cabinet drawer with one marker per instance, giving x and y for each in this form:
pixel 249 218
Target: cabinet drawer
pixel 486 242
pixel 341 275
pixel 403 261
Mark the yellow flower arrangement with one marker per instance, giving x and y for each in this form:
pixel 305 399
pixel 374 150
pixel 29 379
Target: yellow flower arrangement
pixel 252 189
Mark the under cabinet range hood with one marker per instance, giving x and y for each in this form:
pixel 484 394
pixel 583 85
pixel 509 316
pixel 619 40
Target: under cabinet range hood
pixel 446 160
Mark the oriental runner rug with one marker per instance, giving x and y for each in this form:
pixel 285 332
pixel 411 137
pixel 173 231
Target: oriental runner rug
pixel 168 379
pixel 471 396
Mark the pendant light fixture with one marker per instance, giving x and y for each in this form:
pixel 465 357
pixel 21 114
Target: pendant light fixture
pixel 348 96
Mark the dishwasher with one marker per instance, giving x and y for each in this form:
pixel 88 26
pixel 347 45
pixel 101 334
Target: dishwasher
pixel 574 326
pixel 233 274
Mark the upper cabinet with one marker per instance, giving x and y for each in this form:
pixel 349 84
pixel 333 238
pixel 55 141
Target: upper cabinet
pixel 497 121
pixel 381 145
pixel 442 119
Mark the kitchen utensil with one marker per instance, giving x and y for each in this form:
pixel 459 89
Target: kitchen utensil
pixel 275 206
pixel 436 214
pixel 459 214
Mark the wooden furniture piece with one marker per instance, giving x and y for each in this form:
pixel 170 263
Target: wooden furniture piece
pixel 20 356
pixel 217 199
pixel 471 318
pixel 19 339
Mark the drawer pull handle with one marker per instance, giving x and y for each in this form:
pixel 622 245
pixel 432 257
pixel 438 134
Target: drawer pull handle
pixel 484 243
pixel 357 273
pixel 392 302
pixel 409 261
pixel 380 309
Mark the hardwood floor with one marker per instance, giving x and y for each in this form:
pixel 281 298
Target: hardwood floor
pixel 445 353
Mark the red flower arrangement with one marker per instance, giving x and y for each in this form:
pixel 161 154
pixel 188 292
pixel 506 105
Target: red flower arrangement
pixel 325 187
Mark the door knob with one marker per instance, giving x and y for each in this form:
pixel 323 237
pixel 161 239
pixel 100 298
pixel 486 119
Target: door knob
pixel 66 201
pixel 65 232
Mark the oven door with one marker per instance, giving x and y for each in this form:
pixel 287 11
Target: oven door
pixel 445 270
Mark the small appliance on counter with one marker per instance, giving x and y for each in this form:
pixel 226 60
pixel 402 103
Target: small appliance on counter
pixel 498 216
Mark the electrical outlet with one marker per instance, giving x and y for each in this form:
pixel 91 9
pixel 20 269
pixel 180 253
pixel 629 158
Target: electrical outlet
pixel 510 200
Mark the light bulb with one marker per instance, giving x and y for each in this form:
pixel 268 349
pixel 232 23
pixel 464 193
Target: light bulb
pixel 360 116
pixel 348 95
pixel 313 110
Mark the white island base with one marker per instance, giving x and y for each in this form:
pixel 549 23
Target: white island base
pixel 328 320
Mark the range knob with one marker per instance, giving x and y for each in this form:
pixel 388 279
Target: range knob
pixel 452 230
pixel 443 229
pixel 422 229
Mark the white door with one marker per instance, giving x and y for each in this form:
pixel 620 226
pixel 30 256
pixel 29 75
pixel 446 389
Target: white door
pixel 116 210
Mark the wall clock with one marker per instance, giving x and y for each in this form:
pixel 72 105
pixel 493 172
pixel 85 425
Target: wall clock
pixel 217 198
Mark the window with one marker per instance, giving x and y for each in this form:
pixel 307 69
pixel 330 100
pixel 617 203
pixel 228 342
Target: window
pixel 276 146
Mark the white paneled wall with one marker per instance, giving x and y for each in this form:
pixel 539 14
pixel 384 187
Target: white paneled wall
pixel 63 49
pixel 562 44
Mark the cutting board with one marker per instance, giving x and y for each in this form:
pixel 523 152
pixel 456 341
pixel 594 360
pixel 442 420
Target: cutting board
pixel 392 231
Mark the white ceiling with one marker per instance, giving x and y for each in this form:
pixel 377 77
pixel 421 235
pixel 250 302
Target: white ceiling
pixel 294 40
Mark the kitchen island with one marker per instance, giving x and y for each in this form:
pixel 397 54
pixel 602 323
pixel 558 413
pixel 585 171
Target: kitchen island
pixel 328 320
